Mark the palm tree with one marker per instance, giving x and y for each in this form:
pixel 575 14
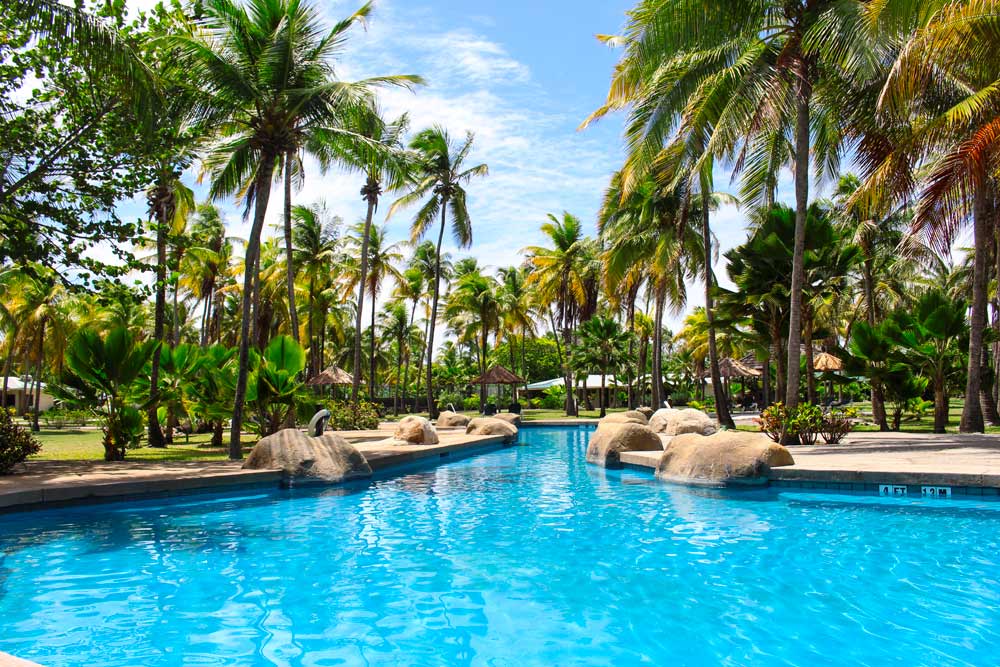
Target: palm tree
pixel 516 312
pixel 385 165
pixel 747 76
pixel 440 176
pixel 475 297
pixel 264 76
pixel 939 90
pixel 603 345
pixel 383 259
pixel 558 275
pixel 314 235
pixel 411 287
pixel 395 327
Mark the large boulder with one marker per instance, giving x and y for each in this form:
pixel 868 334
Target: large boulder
pixel 449 419
pixel 611 439
pixel 509 417
pixel 492 426
pixel 724 458
pixel 328 458
pixel 627 417
pixel 669 421
pixel 413 430
pixel 646 411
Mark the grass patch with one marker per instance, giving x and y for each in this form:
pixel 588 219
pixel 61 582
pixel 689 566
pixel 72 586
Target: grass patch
pixel 85 445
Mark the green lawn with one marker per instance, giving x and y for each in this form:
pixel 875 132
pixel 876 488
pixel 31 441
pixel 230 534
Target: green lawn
pixel 85 445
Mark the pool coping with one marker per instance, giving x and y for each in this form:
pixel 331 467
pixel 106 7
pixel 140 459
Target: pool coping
pixel 164 480
pixel 846 479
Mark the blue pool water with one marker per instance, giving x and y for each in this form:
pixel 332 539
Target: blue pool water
pixel 524 556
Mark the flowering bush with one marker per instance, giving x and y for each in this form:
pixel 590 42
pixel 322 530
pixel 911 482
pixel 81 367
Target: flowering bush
pixel 773 420
pixel 837 424
pixel 805 422
pixel 16 444
pixel 346 416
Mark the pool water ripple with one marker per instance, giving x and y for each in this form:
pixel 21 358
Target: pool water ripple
pixel 517 557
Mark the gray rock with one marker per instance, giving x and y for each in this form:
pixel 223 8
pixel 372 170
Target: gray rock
pixel 611 439
pixel 492 426
pixel 627 417
pixel 449 419
pixel 509 417
pixel 328 458
pixel 413 430
pixel 678 422
pixel 725 458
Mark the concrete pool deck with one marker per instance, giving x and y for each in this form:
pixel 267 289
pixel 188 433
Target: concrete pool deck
pixel 951 459
pixel 43 483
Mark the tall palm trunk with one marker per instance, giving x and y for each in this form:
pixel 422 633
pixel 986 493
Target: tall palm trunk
pixel 878 391
pixel 656 374
pixel 293 314
pixel 154 433
pixel 38 375
pixel 803 94
pixel 8 363
pixel 721 404
pixel 371 352
pixel 370 193
pixel 406 365
pixel 972 413
pixel 431 407
pixel 807 340
pixel 263 194
pixel 399 366
pixel 313 367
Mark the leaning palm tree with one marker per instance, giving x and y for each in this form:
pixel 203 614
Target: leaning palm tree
pixel 439 180
pixel 264 76
pixel 383 261
pixel 385 164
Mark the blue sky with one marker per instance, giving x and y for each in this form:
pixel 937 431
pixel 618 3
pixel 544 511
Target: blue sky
pixel 521 75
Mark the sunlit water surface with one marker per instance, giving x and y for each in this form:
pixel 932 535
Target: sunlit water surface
pixel 522 556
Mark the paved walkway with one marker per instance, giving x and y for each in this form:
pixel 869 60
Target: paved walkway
pixel 949 459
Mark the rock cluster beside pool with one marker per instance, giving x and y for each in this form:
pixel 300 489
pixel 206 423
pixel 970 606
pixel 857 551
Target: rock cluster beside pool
pixel 614 437
pixel 449 419
pixel 724 458
pixel 694 450
pixel 670 421
pixel 328 458
pixel 413 430
pixel 492 426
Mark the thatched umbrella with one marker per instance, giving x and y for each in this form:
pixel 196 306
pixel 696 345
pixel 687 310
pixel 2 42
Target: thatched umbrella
pixel 497 375
pixel 733 368
pixel 331 377
pixel 824 362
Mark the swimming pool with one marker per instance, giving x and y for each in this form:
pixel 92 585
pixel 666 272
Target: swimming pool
pixel 521 556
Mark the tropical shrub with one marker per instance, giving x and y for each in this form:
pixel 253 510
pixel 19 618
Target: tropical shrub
pixel 16 443
pixel 346 416
pixel 837 424
pixel 554 398
pixel 471 403
pixel 61 418
pixel 773 420
pixel 210 387
pixel 103 373
pixel 274 384
pixel 698 405
pixel 450 398
pixel 805 422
